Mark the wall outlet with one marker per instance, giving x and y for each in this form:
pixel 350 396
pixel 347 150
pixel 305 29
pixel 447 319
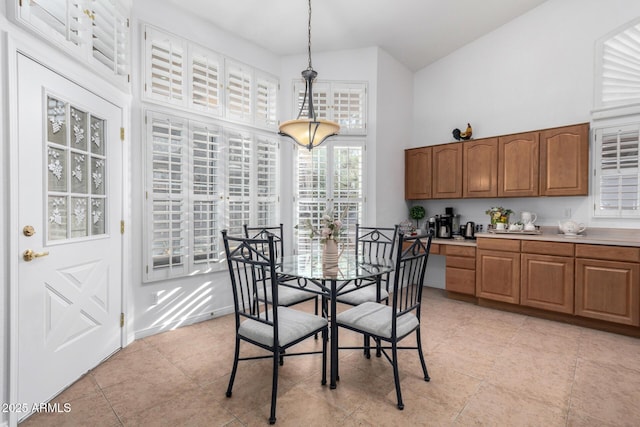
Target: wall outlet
pixel 155 298
pixel 567 212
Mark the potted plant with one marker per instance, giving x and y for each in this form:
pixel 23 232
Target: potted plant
pixel 499 214
pixel 417 212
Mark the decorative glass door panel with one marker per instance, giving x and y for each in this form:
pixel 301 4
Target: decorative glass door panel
pixel 76 171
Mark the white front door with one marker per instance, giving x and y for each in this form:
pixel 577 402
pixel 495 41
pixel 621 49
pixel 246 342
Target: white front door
pixel 69 210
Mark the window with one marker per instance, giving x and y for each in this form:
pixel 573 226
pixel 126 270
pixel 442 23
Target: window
pixel 182 74
pixel 616 124
pixel 95 31
pixel 617 172
pixel 330 178
pixel 203 177
pixel 342 102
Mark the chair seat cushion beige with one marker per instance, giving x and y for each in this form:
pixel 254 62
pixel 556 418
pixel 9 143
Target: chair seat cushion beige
pixel 375 319
pixel 361 295
pixel 292 325
pixel 287 296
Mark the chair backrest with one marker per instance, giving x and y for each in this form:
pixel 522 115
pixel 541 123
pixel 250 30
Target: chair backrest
pixel 253 273
pixel 376 242
pixel 410 269
pixel 262 233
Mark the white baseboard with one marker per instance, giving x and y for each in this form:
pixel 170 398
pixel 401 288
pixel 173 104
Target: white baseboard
pixel 180 323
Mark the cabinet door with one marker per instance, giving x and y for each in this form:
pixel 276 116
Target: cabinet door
pixel 498 275
pixel 447 171
pixel 547 282
pixel 518 165
pixel 480 168
pixel 417 173
pixel 608 290
pixel 564 161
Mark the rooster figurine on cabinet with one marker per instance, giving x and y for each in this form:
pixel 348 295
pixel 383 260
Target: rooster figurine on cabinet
pixel 463 135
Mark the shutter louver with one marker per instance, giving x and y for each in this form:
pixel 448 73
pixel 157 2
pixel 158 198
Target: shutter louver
pixel 238 181
pixel 111 35
pixel 267 180
pixel 349 108
pixel 206 178
pixel 165 68
pixel 205 81
pixel 169 204
pixel 621 68
pixel 266 101
pixel 618 172
pixel 239 81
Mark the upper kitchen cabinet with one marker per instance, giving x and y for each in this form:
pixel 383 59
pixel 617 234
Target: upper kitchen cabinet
pixel 480 168
pixel 417 173
pixel 564 161
pixel 518 165
pixel 447 171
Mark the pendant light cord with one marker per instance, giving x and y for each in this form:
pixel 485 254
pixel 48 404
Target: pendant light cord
pixel 309 37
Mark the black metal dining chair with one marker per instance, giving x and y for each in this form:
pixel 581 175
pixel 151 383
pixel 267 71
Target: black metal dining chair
pixel 389 324
pixel 371 243
pixel 287 296
pixel 265 323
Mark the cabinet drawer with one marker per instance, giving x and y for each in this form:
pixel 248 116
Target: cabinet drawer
pixel 547 248
pixel 468 251
pixel 613 253
pixel 461 262
pixel 509 245
pixel 434 249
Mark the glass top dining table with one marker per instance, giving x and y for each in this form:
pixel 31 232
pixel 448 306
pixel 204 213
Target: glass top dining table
pixel 308 272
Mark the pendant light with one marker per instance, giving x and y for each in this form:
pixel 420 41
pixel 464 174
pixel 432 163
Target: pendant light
pixel 310 131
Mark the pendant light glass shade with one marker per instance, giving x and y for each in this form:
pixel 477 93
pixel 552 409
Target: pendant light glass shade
pixel 310 131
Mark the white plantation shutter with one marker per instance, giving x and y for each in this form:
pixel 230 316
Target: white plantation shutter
pixel 619 68
pixel 238 181
pixel 206 205
pixel 93 31
pixel 344 103
pixel 266 101
pixel 617 171
pixel 168 195
pixel 311 200
pixel 239 79
pixel 205 80
pixel 349 107
pixel 110 31
pixel 164 73
pixel 267 182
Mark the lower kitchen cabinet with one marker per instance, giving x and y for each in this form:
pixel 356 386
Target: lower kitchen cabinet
pixel 547 282
pixel 498 270
pixel 608 283
pixel 460 269
pixel 608 290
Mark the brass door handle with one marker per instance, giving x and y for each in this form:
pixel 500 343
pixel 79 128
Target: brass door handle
pixel 29 255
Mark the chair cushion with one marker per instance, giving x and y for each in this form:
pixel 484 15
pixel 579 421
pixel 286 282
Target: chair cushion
pixel 359 296
pixel 292 325
pixel 288 296
pixel 375 319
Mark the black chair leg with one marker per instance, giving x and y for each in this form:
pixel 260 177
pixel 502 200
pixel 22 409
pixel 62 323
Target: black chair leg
pixel 316 313
pixel 325 335
pixel 235 368
pixel 424 365
pixel 367 346
pixel 274 387
pixel 396 374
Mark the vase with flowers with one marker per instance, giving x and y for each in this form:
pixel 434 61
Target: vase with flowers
pixel 498 214
pixel 329 232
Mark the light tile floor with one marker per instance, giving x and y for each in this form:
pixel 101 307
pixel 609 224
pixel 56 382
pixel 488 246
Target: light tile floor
pixel 487 367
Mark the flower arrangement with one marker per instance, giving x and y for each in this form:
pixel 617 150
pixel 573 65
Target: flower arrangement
pixel 331 227
pixel 499 214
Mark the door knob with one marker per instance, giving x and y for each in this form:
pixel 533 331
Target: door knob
pixel 29 255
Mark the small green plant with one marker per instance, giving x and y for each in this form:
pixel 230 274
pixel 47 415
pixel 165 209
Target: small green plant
pixel 417 212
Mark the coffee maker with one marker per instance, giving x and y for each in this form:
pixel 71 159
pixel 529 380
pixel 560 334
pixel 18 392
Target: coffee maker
pixel 444 224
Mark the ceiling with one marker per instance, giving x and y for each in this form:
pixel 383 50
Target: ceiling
pixel 415 32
